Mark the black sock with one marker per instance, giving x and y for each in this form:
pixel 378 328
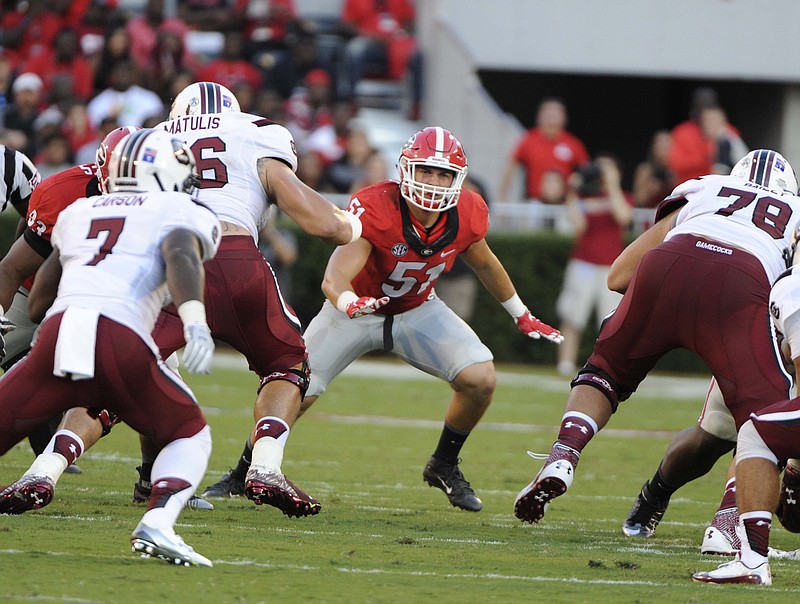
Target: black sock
pixel 145 470
pixel 657 488
pixel 245 460
pixel 450 443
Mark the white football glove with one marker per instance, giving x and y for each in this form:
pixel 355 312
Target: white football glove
pixel 199 350
pixel 5 326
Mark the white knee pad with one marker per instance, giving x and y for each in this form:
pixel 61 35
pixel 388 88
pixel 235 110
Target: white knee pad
pixel 750 444
pixel 716 418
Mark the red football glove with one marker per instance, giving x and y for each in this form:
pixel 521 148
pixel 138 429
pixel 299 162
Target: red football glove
pixel 534 328
pixel 365 305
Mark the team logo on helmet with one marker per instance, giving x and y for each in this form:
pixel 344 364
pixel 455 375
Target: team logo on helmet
pixel 149 155
pixel 399 249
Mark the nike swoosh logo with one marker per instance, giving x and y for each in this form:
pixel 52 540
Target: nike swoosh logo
pixel 447 489
pixel 447 253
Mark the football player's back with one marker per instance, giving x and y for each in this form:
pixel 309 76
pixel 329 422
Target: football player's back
pixel 227 147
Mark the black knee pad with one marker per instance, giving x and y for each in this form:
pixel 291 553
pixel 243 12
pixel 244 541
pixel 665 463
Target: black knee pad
pixel 299 377
pixel 593 376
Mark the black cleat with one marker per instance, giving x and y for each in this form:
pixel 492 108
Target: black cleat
pixel 228 486
pixel 644 516
pixel 448 478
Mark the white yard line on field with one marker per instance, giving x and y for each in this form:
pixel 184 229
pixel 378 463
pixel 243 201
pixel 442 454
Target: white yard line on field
pixel 655 386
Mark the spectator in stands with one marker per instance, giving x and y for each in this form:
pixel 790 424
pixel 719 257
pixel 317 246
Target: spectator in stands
pixel 116 49
pixel 553 188
pixel 25 107
pixel 231 68
pixel 309 108
pixel 376 169
pixel 285 72
pixel 56 155
pixel 268 28
pixel 124 99
pixel 63 59
pixel 381 42
pixel 600 212
pixel 697 142
pixel 728 145
pixel 653 180
pixel 144 30
pixel 311 171
pixel 29 29
pixel 212 15
pixel 269 103
pixel 78 129
pixel 349 169
pixel 168 60
pixel 547 146
pixel 87 153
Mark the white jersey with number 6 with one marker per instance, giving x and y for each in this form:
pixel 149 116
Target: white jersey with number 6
pixel 227 147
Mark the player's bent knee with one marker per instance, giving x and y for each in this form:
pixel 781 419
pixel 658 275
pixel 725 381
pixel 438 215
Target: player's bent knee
pixel 750 444
pixel 299 376
pixel 596 378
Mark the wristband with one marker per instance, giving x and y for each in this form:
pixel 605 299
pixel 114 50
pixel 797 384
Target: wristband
pixel 344 300
pixel 514 306
pixel 355 224
pixel 192 311
pixel 2 310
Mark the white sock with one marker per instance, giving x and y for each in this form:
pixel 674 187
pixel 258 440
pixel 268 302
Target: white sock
pixel 50 464
pixel 268 454
pixel 185 459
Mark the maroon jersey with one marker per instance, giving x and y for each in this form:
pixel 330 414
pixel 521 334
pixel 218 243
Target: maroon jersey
pixel 407 258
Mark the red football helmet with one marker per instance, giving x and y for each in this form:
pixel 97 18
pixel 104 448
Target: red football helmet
pixel 103 153
pixel 437 148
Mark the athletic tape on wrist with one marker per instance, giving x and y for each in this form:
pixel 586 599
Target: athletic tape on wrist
pixel 514 306
pixel 192 311
pixel 344 300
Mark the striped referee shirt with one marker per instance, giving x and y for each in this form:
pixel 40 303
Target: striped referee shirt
pixel 18 179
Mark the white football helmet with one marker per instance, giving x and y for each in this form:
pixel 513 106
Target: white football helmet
pixel 151 160
pixel 768 169
pixel 201 98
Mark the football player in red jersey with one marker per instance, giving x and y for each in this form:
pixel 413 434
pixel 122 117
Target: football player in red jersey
pixel 380 293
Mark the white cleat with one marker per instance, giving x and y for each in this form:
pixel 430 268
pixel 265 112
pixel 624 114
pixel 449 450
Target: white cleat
pixel 717 542
pixel 166 545
pixel 552 481
pixel 736 572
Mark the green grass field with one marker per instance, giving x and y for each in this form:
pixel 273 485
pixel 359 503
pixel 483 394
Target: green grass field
pixel 383 535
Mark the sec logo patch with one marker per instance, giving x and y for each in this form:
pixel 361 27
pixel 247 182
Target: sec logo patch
pixel 399 249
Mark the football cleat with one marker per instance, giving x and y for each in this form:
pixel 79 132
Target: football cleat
pixel 448 478
pixel 552 481
pixel 73 469
pixel 644 516
pixel 142 489
pixel 30 492
pixel 165 545
pixel 273 488
pixel 720 538
pixel 228 486
pixel 788 511
pixel 735 571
